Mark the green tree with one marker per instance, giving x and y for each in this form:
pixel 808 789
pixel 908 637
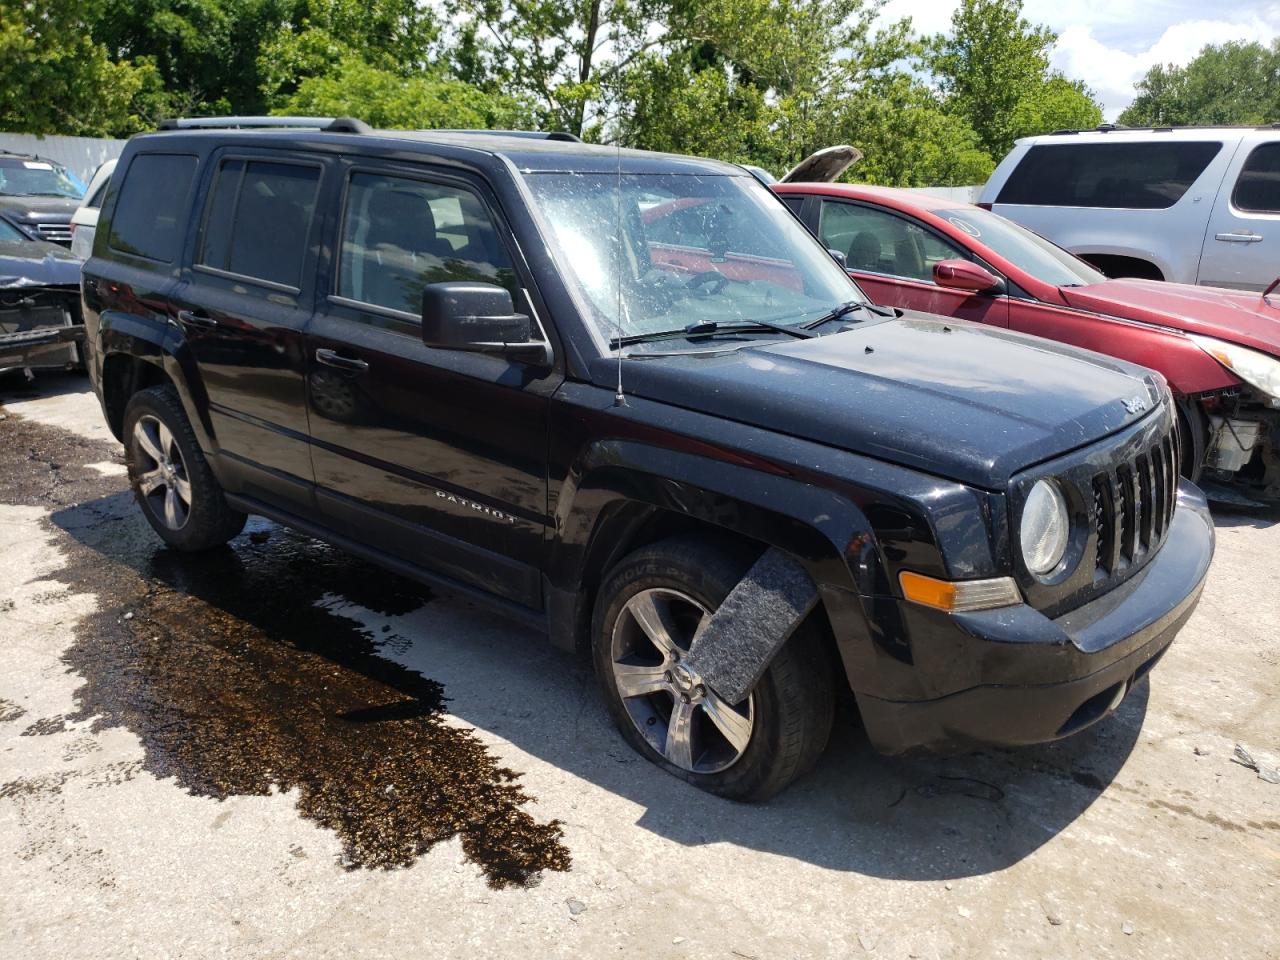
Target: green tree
pixel 385 99
pixel 908 140
pixel 54 78
pixel 770 81
pixel 205 51
pixel 1235 83
pixel 315 38
pixel 564 57
pixel 993 71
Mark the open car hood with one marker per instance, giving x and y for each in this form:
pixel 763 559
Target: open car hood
pixel 823 166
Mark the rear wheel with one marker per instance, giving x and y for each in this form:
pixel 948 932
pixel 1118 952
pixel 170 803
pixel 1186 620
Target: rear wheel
pixel 646 616
pixel 170 477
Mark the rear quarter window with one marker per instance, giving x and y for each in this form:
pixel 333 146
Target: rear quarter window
pixel 1258 187
pixel 1136 176
pixel 151 212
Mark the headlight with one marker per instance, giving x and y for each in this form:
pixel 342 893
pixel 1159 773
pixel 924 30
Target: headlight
pixel 1251 366
pixel 1045 528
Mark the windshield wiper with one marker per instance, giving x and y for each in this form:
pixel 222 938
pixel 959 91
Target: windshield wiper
pixel 847 308
pixel 713 328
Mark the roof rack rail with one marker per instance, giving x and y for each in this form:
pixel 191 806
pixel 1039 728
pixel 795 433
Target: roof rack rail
pixel 337 125
pixel 1100 128
pixel 523 134
pixel 326 124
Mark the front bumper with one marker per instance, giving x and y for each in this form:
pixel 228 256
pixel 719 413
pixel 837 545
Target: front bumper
pixel 1039 679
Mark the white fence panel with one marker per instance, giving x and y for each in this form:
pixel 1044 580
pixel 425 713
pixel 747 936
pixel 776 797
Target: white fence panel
pixel 80 155
pixel 962 194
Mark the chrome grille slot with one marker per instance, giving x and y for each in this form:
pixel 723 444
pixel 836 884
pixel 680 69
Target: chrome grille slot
pixel 1104 512
pixel 55 232
pixel 1128 490
pixel 1143 470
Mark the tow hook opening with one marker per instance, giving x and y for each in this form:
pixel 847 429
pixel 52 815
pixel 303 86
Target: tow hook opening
pixel 1105 701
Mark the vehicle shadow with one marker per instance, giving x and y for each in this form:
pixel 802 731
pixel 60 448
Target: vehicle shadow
pixel 932 818
pixel 47 383
pixel 1259 518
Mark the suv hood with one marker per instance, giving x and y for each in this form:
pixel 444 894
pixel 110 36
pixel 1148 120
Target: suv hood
pixel 38 209
pixel 957 400
pixel 28 263
pixel 1233 315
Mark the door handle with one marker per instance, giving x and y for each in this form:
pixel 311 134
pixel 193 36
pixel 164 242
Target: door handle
pixel 1238 237
pixel 197 320
pixel 331 358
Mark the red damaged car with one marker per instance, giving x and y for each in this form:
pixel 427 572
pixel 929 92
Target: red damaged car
pixel 1219 349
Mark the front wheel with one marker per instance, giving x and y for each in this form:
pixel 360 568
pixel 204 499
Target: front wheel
pixel 1193 432
pixel 646 615
pixel 171 480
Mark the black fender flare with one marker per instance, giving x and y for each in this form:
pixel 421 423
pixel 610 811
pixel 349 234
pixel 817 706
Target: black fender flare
pixel 161 344
pixel 616 485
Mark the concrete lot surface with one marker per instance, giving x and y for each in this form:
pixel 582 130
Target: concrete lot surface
pixel 279 751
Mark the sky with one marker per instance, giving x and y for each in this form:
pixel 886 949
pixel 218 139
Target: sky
pixel 1110 44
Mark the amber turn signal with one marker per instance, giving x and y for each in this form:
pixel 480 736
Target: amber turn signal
pixel 958 595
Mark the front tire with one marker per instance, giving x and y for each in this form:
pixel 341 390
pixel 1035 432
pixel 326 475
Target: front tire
pixel 1194 433
pixel 170 477
pixel 645 617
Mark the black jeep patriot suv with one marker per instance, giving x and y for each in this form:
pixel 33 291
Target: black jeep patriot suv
pixel 594 387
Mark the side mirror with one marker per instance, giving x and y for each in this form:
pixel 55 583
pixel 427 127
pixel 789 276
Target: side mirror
pixel 839 258
pixel 480 318
pixel 966 275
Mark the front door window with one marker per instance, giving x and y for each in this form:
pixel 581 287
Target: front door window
pixel 877 242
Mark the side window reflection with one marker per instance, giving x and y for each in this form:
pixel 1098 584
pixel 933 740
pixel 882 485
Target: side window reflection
pixel 400 234
pixel 879 242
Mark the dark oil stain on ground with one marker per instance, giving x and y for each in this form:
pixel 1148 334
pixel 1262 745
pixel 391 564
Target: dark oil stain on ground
pixel 237 684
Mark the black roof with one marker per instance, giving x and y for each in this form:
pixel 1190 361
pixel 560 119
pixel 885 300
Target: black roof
pixel 527 153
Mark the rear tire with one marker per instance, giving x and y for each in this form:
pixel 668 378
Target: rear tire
pixel 170 477
pixel 749 752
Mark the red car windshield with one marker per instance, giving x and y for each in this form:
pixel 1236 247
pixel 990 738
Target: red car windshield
pixel 1028 251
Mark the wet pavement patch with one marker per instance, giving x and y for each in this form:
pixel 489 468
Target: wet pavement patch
pixel 237 683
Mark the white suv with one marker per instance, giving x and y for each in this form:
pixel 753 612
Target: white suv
pixel 1188 204
pixel 84 222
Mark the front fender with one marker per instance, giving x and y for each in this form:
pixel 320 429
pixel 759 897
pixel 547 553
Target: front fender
pixel 851 521
pixel 814 525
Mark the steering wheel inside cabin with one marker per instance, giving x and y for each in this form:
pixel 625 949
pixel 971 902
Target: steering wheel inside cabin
pixel 715 277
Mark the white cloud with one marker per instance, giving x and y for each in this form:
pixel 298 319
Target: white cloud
pixel 1110 44
pixel 1112 72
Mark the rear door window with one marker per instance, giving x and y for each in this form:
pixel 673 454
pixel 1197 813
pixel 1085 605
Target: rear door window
pixel 879 242
pixel 400 234
pixel 95 201
pixel 258 220
pixel 151 213
pixel 1258 187
pixel 1139 176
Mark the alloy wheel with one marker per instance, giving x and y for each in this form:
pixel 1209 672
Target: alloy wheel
pixel 671 707
pixel 161 473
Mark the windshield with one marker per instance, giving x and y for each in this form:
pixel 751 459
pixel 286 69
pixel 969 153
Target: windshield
pixel 36 178
pixel 694 250
pixel 1045 261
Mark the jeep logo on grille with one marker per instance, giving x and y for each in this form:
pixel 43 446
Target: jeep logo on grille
pixel 1134 405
